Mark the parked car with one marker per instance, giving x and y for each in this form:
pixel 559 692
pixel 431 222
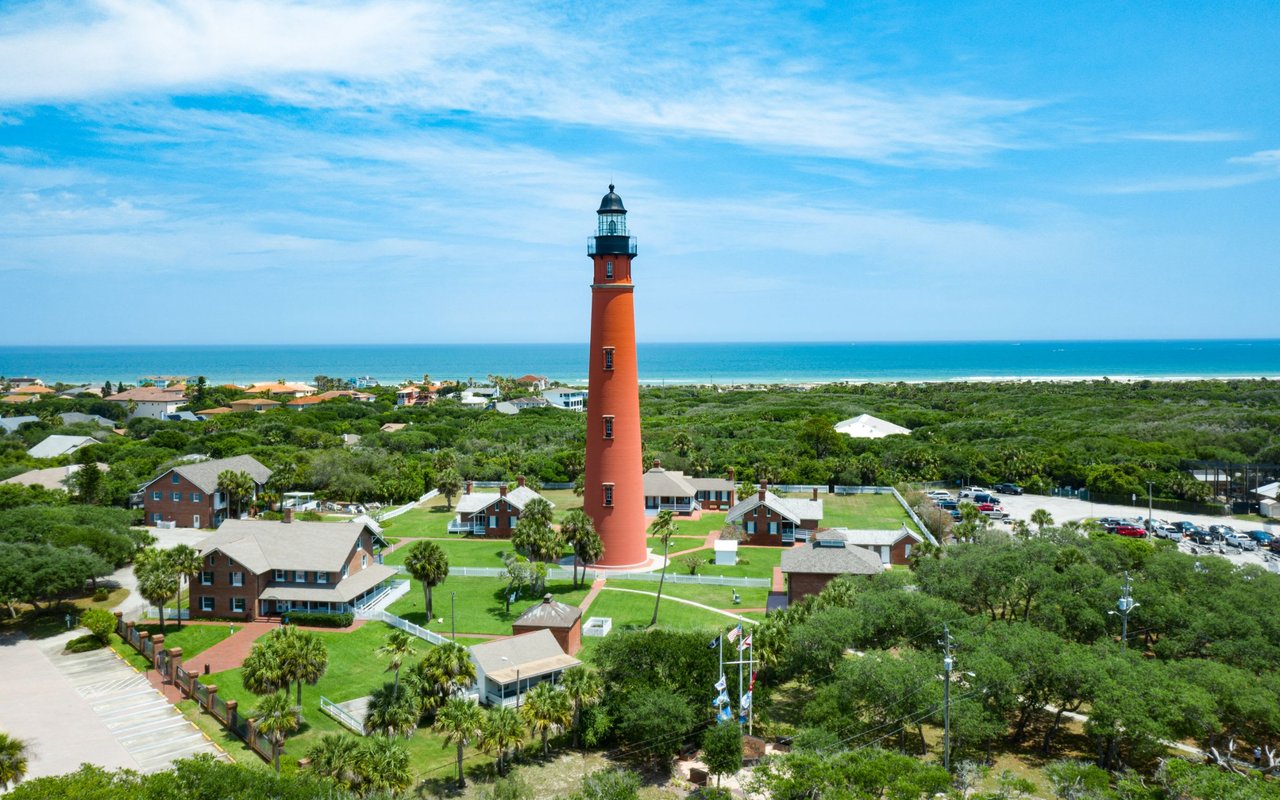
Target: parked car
pixel 1129 530
pixel 996 514
pixel 1008 488
pixel 973 490
pixel 1171 533
pixel 1221 530
pixel 1275 545
pixel 1110 523
pixel 939 494
pixel 1261 537
pixel 1240 541
pixel 949 505
pixel 1200 536
pixel 1184 526
pixel 985 497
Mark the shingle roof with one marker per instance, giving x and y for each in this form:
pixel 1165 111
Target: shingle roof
pixel 344 591
pixel 534 653
pixel 518 497
pixel 51 478
pixel 261 545
pixel 72 417
pixel 549 613
pixel 811 558
pixel 205 473
pixel 10 424
pixel 659 482
pixel 874 538
pixel 149 394
pixel 789 508
pixel 712 484
pixel 59 445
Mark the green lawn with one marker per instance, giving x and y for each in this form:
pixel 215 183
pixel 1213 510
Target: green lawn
pixel 860 511
pixel 753 562
pixel 627 609
pixel 462 552
pixel 430 521
pixel 678 543
pixel 354 671
pixel 714 596
pixel 479 605
pixel 192 639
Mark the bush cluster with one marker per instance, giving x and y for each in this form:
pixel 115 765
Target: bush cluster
pixel 318 619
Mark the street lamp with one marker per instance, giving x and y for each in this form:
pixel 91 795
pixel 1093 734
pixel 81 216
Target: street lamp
pixel 1150 525
pixel 453 620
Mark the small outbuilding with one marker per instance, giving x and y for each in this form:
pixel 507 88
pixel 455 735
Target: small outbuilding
pixel 726 552
pixel 508 668
pixel 563 620
pixel 811 566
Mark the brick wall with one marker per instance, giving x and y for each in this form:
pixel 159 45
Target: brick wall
pixel 183 511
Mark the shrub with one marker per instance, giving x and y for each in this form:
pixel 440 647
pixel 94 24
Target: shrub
pixel 83 644
pixel 691 562
pixel 319 619
pixel 101 594
pixel 100 623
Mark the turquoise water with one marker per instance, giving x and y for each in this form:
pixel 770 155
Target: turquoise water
pixel 670 363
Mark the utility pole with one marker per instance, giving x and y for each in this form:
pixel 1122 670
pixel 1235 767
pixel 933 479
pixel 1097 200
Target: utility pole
pixel 453 617
pixel 1125 605
pixel 1151 526
pixel 947 664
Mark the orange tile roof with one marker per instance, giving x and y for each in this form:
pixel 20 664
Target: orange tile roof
pixel 33 389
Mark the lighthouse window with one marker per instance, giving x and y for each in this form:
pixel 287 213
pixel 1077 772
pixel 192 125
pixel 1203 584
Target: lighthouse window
pixel 608 494
pixel 608 427
pixel 608 358
pixel 608 270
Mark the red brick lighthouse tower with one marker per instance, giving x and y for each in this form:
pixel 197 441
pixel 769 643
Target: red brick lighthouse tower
pixel 614 496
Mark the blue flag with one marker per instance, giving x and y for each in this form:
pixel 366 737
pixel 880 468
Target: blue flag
pixel 721 684
pixel 725 715
pixel 723 699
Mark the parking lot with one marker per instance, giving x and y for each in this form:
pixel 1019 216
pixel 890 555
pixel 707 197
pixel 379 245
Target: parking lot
pixel 1066 509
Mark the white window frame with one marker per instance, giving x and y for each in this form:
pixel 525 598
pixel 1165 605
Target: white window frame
pixel 195 497
pixel 155 516
pixel 322 577
pixel 608 270
pixel 176 478
pixel 206 577
pixel 299 576
pixel 237 578
pixel 240 602
pixel 773 529
pixel 175 497
pixel 207 603
pixel 750 528
pixel 511 521
pixel 492 521
pixel 364 560
pixel 606 491
pixel 280 575
pixel 157 495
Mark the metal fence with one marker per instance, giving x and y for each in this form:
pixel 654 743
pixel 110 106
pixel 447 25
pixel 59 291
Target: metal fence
pixel 341 715
pixel 219 708
pixel 1140 503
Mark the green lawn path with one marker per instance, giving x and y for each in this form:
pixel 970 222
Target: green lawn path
pixel 479 604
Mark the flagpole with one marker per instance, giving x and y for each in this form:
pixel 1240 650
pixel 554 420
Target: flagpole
pixel 751 710
pixel 740 681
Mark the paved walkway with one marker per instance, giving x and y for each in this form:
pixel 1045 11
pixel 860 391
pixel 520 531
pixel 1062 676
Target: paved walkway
pixel 231 651
pixel 596 586
pixel 779 581
pixel 708 541
pixel 712 609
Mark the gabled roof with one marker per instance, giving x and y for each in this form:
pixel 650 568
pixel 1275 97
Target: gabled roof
pixel 261 545
pixel 332 395
pixel 204 474
pixel 874 538
pixel 51 478
pixel 712 484
pixel 149 394
pixel 535 653
pixel 72 417
pixel 1268 491
pixel 18 398
pixel 10 424
pixel 275 387
pixel 659 482
pixel 252 402
pixel 60 445
pixel 865 426
pixel 32 389
pixel 367 521
pixel 549 613
pixel 478 501
pixel 815 559
pixel 531 378
pixel 788 508
pixel 392 427
pixel 344 591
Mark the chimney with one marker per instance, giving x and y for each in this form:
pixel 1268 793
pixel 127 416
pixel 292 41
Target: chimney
pixel 733 475
pixel 764 487
pixel 546 599
pixel 520 481
pixel 288 515
pixel 657 464
pixel 815 493
pixel 467 489
pixel 502 490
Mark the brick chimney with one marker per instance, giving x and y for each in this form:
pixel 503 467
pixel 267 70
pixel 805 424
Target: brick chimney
pixel 733 475
pixel 815 493
pixel 502 490
pixel 764 487
pixel 657 463
pixel 467 489
pixel 288 515
pixel 520 481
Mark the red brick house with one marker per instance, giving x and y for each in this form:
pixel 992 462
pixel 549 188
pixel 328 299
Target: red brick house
pixel 492 515
pixel 187 495
pixel 563 620
pixel 812 565
pixel 256 568
pixel 769 520
pixel 890 546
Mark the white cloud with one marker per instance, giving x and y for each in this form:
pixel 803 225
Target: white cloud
pixel 1264 158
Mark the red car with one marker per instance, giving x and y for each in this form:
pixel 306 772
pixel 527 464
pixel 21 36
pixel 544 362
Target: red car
pixel 989 507
pixel 1129 530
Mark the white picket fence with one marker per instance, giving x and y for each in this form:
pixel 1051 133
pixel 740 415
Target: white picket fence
pixel 407 626
pixel 395 512
pixel 337 712
pixel 560 573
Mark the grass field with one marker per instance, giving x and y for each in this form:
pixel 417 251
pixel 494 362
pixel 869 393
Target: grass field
pixel 627 609
pixel 462 552
pixel 860 511
pixel 753 562
pixel 354 671
pixel 479 605
pixel 714 596
pixel 193 639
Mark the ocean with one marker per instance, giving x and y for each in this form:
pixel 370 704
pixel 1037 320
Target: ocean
pixel 704 363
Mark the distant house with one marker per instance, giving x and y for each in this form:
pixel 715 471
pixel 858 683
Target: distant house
pixel 32 388
pixel 10 424
pixel 186 416
pixel 770 520
pixel 74 417
pixel 60 445
pixel 51 478
pixel 415 395
pixel 891 546
pixel 151 403
pixel 213 412
pixel 258 404
pixel 1268 491
pixel 811 566
pixel 14 399
pixel 535 382
pixel 506 669
pixel 392 427
pixel 519 404
pixel 256 568
pixel 18 383
pixel 187 495
pixel 571 399
pixel 492 514
pixel 281 389
pixel 473 400
pixel 672 490
pixel 865 426
pixel 1218 480
pixel 311 400
pixel 563 620
pixel 76 391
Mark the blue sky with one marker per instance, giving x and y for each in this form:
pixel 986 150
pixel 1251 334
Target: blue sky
pixel 244 171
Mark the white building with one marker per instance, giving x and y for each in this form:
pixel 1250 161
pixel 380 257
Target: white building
pixel 60 445
pixel 150 402
pixel 572 399
pixel 509 667
pixel 865 426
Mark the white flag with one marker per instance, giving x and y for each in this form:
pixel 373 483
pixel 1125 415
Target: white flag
pixel 746 702
pixel 721 684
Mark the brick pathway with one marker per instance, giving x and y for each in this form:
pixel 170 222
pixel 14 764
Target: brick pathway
pixel 779 581
pixel 231 651
pixel 709 541
pixel 596 586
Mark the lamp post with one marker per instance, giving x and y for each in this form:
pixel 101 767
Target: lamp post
pixel 1124 606
pixel 1151 526
pixel 453 619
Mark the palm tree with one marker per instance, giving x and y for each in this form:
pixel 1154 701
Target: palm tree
pixel 187 563
pixel 579 532
pixel 1041 519
pixel 13 760
pixel 535 536
pixel 391 712
pixel 682 442
pixel 396 649
pixel 262 671
pixel 429 565
pixel 157 579
pixel 384 765
pixel 503 730
pixel 337 756
pixel 546 708
pixel 663 527
pixel 302 655
pixel 236 486
pixel 584 688
pixel 452 667
pixel 461 722
pixel 275 718
pixel 449 484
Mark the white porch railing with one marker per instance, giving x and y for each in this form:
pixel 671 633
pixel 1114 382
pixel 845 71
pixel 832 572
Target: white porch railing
pixel 407 626
pixel 471 528
pixel 387 596
pixel 336 711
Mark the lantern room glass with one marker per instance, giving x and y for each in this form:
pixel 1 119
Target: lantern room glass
pixel 612 225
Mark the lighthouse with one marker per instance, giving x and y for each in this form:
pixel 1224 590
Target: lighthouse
pixel 614 483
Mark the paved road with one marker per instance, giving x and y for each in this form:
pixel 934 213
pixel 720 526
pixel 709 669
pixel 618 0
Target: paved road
pixel 1066 509
pixel 134 606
